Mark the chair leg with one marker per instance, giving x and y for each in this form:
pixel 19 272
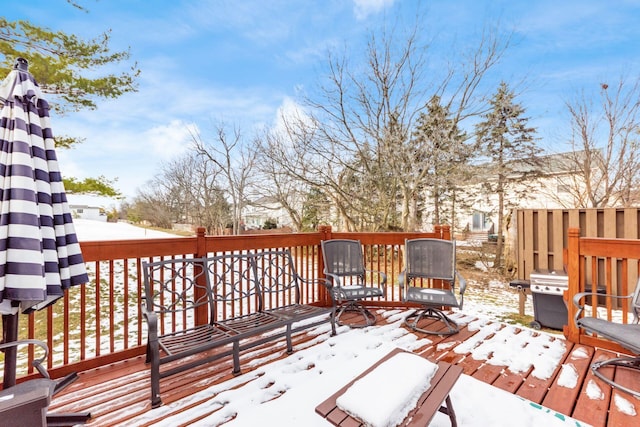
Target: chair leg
pixel 623 362
pixel 370 319
pixel 65 420
pixel 414 318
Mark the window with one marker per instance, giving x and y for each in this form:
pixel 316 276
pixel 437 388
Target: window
pixel 478 222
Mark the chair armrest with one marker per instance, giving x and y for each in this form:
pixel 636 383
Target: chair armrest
pixel 320 280
pixel 462 281
pixel 383 284
pixel 577 297
pixel 152 324
pixel 37 363
pixel 402 281
pixel 463 287
pixel 335 279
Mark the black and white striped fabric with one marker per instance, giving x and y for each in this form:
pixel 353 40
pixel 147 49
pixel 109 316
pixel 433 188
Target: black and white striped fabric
pixel 39 252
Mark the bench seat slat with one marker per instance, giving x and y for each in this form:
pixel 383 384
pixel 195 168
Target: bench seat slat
pixel 254 323
pixel 182 341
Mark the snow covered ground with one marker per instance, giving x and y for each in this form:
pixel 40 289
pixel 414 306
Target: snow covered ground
pixel 88 230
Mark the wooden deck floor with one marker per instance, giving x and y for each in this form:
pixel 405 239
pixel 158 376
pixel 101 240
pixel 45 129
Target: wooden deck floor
pixel 117 393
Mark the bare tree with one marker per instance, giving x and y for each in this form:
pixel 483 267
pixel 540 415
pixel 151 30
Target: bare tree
pixel 363 117
pixel 235 160
pixel 360 120
pixel 605 142
pixel 184 191
pixel 274 183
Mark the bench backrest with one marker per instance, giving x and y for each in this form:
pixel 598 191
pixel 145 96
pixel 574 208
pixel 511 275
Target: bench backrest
pixel 234 289
pixel 278 281
pixel 235 285
pixel 171 287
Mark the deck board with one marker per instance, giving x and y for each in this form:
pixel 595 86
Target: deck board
pixel 589 406
pixel 534 388
pixel 120 392
pixel 561 397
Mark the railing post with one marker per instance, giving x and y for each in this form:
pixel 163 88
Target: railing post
pixel 325 234
pixel 202 313
pixel 446 232
pixel 571 331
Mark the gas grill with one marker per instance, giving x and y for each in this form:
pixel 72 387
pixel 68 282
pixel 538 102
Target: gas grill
pixel 547 288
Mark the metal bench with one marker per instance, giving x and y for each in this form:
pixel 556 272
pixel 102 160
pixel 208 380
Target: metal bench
pixel 242 296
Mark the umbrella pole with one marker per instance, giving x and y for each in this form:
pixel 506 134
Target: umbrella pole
pixel 9 334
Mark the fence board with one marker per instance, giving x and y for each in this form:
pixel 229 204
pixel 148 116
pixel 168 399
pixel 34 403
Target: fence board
pixel 558 239
pixel 543 241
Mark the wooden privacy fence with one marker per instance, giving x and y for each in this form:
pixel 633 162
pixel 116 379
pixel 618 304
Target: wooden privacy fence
pixel 542 236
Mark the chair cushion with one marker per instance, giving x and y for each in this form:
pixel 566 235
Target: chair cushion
pixel 436 297
pixel 359 292
pixel 627 335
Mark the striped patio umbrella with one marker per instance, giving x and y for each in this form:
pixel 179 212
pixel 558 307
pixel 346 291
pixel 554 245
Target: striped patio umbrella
pixel 39 252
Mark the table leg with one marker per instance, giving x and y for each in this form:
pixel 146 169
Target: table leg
pixel 522 297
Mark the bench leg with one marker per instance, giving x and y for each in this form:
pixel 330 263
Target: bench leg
pixel 153 352
pixel 236 358
pixel 289 343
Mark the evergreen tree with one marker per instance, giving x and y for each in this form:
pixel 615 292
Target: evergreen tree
pixel 440 155
pixel 66 65
pixel 72 70
pixel 506 139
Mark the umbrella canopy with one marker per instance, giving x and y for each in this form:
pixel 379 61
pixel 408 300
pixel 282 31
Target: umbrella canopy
pixel 39 252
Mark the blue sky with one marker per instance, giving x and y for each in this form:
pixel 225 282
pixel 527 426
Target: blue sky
pixel 241 60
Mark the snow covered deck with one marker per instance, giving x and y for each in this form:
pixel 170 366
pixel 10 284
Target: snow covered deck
pixel 534 378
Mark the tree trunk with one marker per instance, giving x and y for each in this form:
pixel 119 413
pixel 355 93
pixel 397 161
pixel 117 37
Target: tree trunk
pixel 497 263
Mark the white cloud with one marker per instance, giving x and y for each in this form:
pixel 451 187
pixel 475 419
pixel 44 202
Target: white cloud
pixel 364 8
pixel 291 111
pixel 170 140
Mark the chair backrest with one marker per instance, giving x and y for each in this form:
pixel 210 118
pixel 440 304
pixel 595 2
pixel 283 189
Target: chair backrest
pixel 430 258
pixel 343 257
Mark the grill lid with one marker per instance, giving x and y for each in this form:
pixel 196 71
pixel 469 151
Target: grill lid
pixel 549 282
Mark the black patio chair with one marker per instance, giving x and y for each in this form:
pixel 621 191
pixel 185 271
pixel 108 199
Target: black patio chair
pixel 344 267
pixel 627 335
pixel 26 403
pixel 428 264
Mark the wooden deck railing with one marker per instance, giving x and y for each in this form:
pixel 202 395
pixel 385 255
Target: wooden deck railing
pixel 100 322
pixel 592 262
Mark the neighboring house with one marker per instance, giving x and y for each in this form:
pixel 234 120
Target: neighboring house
pixel 256 213
pixel 477 210
pixel 95 213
